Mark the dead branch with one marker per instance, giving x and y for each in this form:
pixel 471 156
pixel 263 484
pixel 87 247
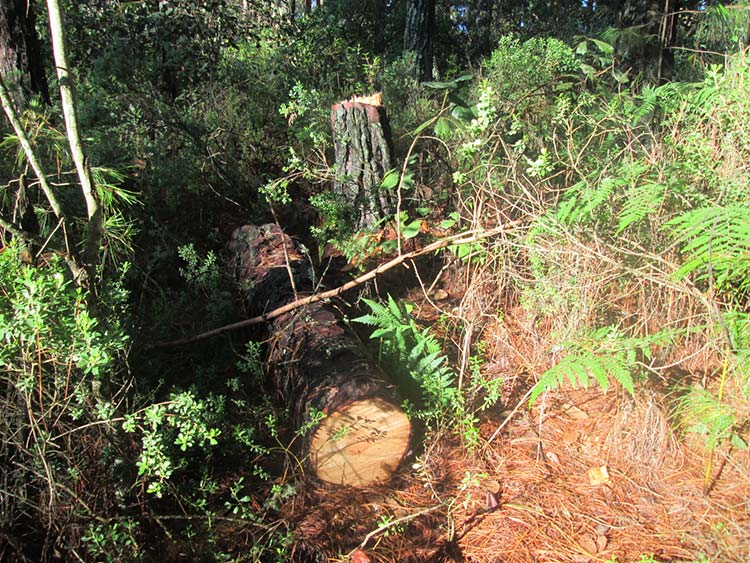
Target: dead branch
pixel 458 239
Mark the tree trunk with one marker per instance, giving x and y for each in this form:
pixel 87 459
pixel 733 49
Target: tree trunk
pixel 92 243
pixel 653 20
pixel 418 34
pixel 316 365
pixel 362 145
pixel 20 51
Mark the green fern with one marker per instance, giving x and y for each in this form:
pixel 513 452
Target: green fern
pixel 415 353
pixel 583 201
pixel 657 100
pixel 716 244
pixel 738 325
pixel 705 414
pixel 601 355
pixel 640 201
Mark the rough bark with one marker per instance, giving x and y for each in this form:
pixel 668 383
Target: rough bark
pixel 362 145
pixel 20 50
pixel 418 35
pixel 315 364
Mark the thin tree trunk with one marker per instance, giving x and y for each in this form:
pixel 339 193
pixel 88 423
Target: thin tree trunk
pixel 652 56
pixel 10 112
pixel 418 35
pixel 23 139
pixel 70 113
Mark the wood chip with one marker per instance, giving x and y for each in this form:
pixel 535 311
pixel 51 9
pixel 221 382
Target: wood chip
pixel 440 295
pixel 574 412
pixel 359 556
pixel 598 475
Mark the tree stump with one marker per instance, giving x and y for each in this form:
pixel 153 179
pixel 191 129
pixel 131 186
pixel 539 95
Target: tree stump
pixel 316 365
pixel 363 148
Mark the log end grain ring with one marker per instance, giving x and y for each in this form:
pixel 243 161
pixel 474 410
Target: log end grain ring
pixel 360 444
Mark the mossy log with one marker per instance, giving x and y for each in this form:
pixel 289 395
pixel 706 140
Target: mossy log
pixel 363 149
pixel 316 364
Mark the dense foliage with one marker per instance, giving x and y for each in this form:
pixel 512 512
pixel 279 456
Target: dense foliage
pixel 200 116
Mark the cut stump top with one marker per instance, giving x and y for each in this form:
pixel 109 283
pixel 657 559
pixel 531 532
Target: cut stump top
pixel 360 444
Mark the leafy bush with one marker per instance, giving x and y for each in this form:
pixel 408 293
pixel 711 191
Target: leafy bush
pixel 60 369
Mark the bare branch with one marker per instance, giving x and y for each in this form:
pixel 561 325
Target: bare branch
pixel 27 148
pixel 461 238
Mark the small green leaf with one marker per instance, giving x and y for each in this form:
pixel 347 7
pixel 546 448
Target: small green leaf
pixel 443 128
pixel 410 230
pixel 390 180
pixel 441 85
pixel 423 126
pixel 604 47
pixel 463 113
pixel 620 76
pixel 738 442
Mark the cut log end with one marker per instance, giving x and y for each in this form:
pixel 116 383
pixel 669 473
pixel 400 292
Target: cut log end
pixel 361 443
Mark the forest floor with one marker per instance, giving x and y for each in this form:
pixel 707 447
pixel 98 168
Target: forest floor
pixel 584 476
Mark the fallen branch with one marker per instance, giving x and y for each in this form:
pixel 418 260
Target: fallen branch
pixel 460 238
pixel 391 523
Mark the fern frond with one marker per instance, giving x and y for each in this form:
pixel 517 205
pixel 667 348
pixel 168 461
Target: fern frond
pixel 583 202
pixel 602 354
pixel 415 353
pixel 704 414
pixel 640 201
pixel 716 243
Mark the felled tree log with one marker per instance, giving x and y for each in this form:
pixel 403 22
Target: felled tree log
pixel 362 146
pixel 316 365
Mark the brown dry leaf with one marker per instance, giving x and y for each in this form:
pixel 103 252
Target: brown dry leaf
pixel 492 486
pixel 570 436
pixel 601 542
pixel 359 556
pixel 598 475
pixel 588 545
pixel 574 412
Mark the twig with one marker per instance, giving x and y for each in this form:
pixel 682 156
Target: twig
pixel 23 139
pixel 499 429
pixel 460 238
pixel 396 522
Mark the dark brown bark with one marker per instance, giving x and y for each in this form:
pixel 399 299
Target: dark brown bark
pixel 362 145
pixel 418 35
pixel 20 50
pixel 315 364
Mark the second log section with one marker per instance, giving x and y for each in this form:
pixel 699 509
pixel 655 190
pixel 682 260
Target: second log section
pixel 316 365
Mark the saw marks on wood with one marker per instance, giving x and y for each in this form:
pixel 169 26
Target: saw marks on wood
pixel 360 444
